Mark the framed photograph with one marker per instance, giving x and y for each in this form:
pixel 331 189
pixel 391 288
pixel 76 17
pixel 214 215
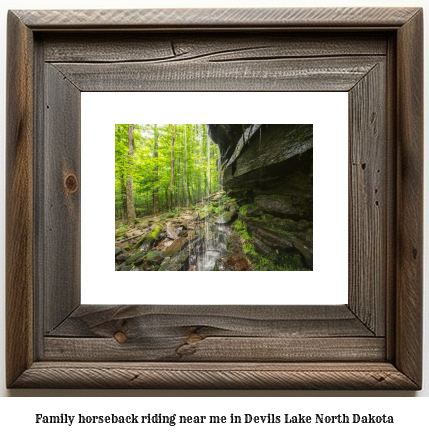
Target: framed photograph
pixel 367 198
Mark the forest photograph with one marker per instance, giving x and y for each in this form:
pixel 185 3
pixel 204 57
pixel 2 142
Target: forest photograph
pixel 213 197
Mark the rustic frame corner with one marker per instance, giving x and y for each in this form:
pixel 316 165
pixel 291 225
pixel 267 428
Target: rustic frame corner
pixel 373 342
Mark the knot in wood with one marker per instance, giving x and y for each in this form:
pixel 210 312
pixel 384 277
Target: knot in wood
pixel 71 183
pixel 193 337
pixel 120 337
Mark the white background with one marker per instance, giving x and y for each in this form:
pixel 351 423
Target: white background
pixel 18 412
pixel 326 284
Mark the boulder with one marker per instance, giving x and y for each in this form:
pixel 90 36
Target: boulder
pixel 226 217
pixel 149 239
pixel 171 233
pixel 233 262
pixel 275 240
pixel 306 249
pixel 251 211
pixel 178 262
pixel 154 257
pixel 122 257
pixel 118 251
pixel 180 243
pixel 136 259
pixel 262 248
pixel 231 205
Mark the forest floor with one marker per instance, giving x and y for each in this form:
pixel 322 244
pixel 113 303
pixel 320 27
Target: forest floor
pixel 195 238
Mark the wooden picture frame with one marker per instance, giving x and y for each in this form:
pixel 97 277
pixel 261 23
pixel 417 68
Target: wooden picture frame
pixel 373 342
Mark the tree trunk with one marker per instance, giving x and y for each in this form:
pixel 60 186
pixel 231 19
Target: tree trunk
pixel 205 186
pixel 166 199
pixel 123 197
pixel 155 171
pixel 131 213
pixel 189 196
pixel 209 168
pixel 173 137
pixel 185 201
pixel 198 189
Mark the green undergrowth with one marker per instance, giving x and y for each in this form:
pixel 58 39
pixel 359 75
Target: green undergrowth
pixel 285 262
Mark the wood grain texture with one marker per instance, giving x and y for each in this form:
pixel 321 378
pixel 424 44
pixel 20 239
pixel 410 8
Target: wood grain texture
pixel 193 347
pixel 368 202
pixel 391 189
pixel 217 18
pixel 99 321
pixel 302 375
pixel 213 333
pixel 61 186
pixel 301 74
pixel 410 198
pixel 39 199
pixel 172 47
pixel 19 200
pixel 178 347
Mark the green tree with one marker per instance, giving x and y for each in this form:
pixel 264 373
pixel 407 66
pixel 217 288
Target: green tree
pixel 171 165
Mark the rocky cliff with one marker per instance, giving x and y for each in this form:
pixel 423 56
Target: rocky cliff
pixel 268 170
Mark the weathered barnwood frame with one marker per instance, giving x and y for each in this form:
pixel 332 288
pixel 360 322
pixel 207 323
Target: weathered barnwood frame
pixel 373 342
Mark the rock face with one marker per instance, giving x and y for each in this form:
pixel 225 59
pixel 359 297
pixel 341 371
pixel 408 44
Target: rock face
pixel 178 262
pixel 226 217
pixel 268 170
pixel 226 136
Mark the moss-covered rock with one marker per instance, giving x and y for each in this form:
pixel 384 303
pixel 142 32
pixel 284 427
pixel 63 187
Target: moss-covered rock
pixel 278 205
pixel 226 217
pixel 122 257
pixel 178 262
pixel 306 249
pixel 154 257
pixel 250 210
pixel 120 233
pixel 275 240
pixel 118 251
pixel 136 259
pixel 149 239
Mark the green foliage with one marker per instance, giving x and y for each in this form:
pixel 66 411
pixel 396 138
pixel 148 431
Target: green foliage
pixel 286 261
pixel 243 209
pixel 194 164
pixel 240 228
pixel 213 209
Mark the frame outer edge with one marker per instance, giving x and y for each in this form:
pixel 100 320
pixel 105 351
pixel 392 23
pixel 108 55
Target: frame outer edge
pixel 409 316
pixel 301 375
pixel 378 17
pixel 19 198
pixel 20 193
